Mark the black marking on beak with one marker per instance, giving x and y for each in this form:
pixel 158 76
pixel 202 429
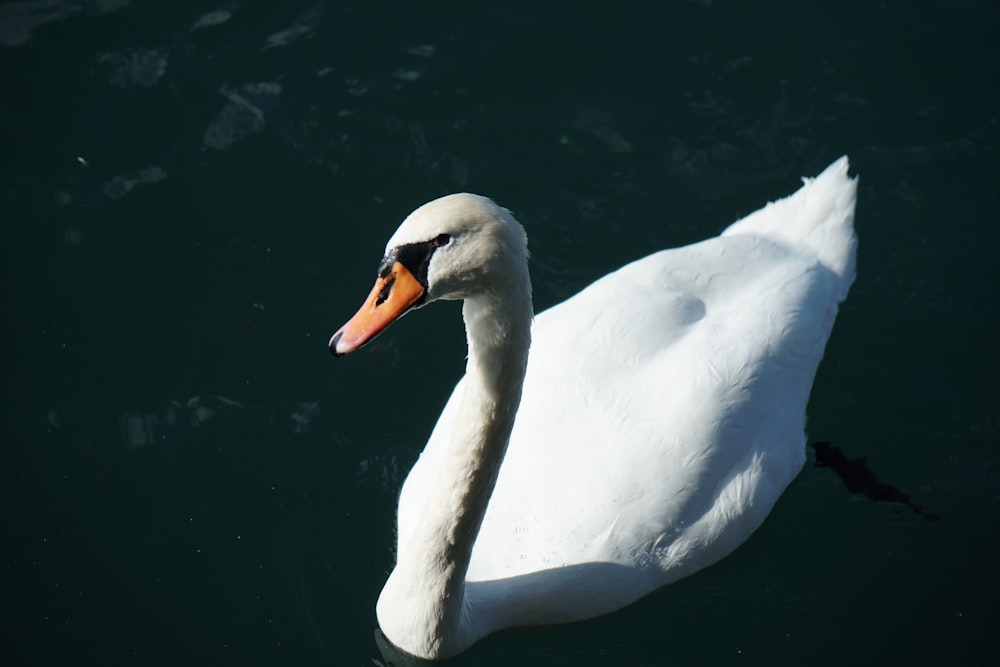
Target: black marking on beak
pixel 416 257
pixel 384 294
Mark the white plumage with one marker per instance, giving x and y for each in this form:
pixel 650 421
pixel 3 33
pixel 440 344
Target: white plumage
pixel 662 414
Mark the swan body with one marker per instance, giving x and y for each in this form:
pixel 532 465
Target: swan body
pixel 652 426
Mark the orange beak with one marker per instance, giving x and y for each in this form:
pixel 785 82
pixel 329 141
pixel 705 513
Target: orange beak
pixel 394 293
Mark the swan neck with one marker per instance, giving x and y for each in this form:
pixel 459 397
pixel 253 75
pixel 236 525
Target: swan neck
pixel 498 355
pixel 427 586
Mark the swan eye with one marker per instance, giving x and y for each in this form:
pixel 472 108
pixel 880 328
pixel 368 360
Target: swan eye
pixel 441 240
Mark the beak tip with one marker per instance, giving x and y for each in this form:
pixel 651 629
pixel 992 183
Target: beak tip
pixel 334 343
pixel 394 294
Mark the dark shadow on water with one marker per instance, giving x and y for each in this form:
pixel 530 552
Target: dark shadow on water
pixel 859 479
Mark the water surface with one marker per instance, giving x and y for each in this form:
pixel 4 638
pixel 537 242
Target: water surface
pixel 195 195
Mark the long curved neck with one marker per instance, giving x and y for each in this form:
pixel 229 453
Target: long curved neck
pixel 421 607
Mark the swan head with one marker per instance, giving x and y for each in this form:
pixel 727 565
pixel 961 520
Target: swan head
pixel 457 247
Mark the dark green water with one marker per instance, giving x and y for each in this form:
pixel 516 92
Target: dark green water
pixel 192 202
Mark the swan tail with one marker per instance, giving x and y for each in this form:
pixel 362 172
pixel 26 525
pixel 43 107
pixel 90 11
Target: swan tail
pixel 817 220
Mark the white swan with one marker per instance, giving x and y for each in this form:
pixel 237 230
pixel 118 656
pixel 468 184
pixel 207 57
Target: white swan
pixel 658 417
